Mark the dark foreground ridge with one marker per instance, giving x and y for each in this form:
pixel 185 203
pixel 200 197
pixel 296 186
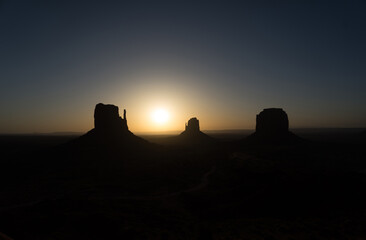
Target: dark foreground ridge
pixel 272 126
pixel 110 129
pixel 108 185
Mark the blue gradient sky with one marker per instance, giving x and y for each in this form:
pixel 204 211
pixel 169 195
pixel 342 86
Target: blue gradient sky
pixel 220 61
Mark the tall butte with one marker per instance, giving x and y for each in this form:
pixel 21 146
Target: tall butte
pixel 272 126
pixel 193 126
pixel 110 129
pixel 193 135
pixel 107 119
pixel 271 122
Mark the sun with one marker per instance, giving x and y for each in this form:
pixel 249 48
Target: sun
pixel 160 116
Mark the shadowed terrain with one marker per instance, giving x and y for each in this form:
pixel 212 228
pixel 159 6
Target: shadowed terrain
pixel 110 183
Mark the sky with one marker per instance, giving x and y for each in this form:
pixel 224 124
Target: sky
pixel 220 61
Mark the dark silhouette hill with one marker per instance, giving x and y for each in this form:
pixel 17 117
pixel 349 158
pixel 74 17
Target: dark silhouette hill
pixel 272 127
pixel 110 129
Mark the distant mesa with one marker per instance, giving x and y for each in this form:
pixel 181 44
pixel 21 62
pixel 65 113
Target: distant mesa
pixel 272 126
pixel 272 121
pixel 193 126
pixel 192 134
pixel 110 129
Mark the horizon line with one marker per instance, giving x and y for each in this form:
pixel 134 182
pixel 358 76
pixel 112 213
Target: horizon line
pixel 170 132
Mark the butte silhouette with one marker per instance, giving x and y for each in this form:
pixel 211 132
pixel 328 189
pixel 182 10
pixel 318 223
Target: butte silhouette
pixel 192 134
pixel 272 127
pixel 110 129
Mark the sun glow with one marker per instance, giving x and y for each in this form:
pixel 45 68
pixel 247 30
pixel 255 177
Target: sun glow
pixel 160 116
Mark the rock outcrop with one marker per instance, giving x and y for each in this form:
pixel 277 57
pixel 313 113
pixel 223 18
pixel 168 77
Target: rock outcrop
pixel 272 127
